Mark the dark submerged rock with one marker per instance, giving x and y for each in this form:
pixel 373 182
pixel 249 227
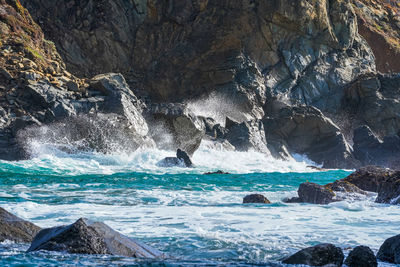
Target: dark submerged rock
pixel 16 229
pixel 292 200
pixel 361 256
pixel 87 237
pixel 216 172
pixel 390 250
pixel 256 198
pixel 319 255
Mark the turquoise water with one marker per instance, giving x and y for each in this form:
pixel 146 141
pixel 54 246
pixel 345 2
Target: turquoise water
pixel 195 219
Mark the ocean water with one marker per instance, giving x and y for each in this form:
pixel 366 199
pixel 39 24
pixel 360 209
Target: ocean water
pixel 195 219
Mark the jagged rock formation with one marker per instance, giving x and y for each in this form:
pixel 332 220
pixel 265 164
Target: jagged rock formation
pixel 305 130
pixel 385 182
pixel 301 68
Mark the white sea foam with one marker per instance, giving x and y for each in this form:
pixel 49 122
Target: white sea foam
pixel 48 157
pixel 218 217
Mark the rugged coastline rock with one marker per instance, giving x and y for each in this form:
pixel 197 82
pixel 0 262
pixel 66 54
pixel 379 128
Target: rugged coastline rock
pixel 256 198
pixel 361 256
pixel 248 135
pixel 319 255
pixel 305 130
pixel 87 237
pixel 390 250
pixel 310 58
pixel 383 181
pixel 16 229
pixel 314 194
pixel 369 178
pixel 370 149
pixel 389 190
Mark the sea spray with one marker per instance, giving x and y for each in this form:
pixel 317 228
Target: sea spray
pixel 102 133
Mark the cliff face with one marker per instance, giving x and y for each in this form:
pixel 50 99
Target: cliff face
pixel 379 24
pixel 300 69
pixel 180 49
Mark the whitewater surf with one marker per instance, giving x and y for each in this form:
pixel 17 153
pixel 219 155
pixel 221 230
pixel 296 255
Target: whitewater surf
pixel 194 218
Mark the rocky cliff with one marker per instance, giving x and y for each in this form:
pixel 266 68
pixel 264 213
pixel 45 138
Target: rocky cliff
pixel 299 76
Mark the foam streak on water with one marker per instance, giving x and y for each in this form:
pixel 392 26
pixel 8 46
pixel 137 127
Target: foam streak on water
pixel 197 219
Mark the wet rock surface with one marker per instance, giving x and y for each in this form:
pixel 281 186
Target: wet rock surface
pixel 182 155
pixel 369 178
pixel 15 229
pixel 256 198
pixel 319 255
pixel 246 136
pixel 361 256
pixel 385 182
pixel 87 237
pixel 182 159
pixel 305 130
pixel 389 190
pixel 315 194
pixel 390 250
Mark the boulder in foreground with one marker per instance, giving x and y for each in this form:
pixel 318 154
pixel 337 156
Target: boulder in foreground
pixel 16 229
pixel 390 250
pixel 319 255
pixel 361 256
pixel 87 237
pixel 256 198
